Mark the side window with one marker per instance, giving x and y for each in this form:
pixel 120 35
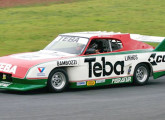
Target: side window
pixel 109 45
pixel 97 46
pixel 116 45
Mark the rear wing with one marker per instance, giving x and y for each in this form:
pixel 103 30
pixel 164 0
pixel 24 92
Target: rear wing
pixel 146 38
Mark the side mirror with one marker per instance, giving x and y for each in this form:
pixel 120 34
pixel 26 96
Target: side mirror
pixel 90 51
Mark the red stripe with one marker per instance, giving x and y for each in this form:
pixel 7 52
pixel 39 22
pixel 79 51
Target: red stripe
pixel 159 70
pixel 100 78
pixel 37 78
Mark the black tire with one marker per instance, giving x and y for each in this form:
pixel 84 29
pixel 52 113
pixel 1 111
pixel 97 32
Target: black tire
pixel 141 74
pixel 57 81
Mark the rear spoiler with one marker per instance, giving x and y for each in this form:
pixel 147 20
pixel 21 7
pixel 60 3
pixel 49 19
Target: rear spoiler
pixel 146 38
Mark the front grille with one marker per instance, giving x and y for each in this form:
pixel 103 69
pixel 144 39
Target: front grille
pixel 6 77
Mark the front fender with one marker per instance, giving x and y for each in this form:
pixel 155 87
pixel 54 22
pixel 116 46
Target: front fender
pixel 42 71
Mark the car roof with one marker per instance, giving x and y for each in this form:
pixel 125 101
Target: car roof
pixel 90 34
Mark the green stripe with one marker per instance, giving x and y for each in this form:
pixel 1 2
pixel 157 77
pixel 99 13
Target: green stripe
pixel 158 74
pixel 22 84
pixel 160 47
pixel 30 81
pixel 19 87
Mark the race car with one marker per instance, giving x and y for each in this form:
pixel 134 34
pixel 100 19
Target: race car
pixel 83 59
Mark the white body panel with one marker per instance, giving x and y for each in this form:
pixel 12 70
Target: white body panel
pixel 78 69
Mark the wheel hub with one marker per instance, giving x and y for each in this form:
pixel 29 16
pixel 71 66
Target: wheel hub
pixel 58 80
pixel 141 74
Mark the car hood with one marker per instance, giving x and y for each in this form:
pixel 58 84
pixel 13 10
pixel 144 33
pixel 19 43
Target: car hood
pixel 19 64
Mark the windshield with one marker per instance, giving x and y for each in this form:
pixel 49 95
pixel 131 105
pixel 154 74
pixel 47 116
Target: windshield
pixel 68 44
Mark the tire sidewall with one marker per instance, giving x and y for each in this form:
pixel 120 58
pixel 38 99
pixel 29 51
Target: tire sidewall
pixel 49 82
pixel 135 80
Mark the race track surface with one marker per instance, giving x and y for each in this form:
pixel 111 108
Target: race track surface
pixel 124 102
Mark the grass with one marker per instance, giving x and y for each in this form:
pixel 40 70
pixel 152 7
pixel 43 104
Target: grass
pixel 31 28
pixel 153 44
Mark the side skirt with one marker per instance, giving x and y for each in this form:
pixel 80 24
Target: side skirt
pixel 158 74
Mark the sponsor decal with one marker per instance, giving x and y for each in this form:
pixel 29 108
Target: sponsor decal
pixel 81 83
pixel 41 71
pixel 5 84
pixel 129 70
pixel 154 59
pixel 90 83
pixel 100 81
pixel 66 62
pixel 98 69
pixel 69 39
pixel 121 80
pixel 8 68
pixel 131 57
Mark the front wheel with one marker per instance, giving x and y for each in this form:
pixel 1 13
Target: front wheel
pixel 57 81
pixel 141 74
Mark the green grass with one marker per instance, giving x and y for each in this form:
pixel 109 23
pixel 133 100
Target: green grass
pixel 31 28
pixel 153 44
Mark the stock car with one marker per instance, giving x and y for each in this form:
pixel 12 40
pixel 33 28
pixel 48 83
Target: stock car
pixel 83 59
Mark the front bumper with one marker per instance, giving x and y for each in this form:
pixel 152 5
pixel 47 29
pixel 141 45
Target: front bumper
pixel 22 84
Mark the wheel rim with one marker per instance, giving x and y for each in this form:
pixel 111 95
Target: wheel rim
pixel 58 80
pixel 141 74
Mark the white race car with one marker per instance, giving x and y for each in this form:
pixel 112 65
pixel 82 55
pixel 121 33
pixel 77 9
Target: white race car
pixel 84 59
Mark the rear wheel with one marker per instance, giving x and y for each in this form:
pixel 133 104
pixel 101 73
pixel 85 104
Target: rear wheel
pixel 57 81
pixel 141 74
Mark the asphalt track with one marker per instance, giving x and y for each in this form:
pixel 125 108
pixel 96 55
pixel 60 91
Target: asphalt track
pixel 119 102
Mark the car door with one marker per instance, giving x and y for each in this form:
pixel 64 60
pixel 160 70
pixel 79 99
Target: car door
pixel 102 65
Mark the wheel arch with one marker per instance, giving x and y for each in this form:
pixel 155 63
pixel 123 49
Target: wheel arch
pixel 148 65
pixel 64 68
pixel 50 85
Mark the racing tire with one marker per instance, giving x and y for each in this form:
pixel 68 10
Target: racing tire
pixel 141 74
pixel 57 81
